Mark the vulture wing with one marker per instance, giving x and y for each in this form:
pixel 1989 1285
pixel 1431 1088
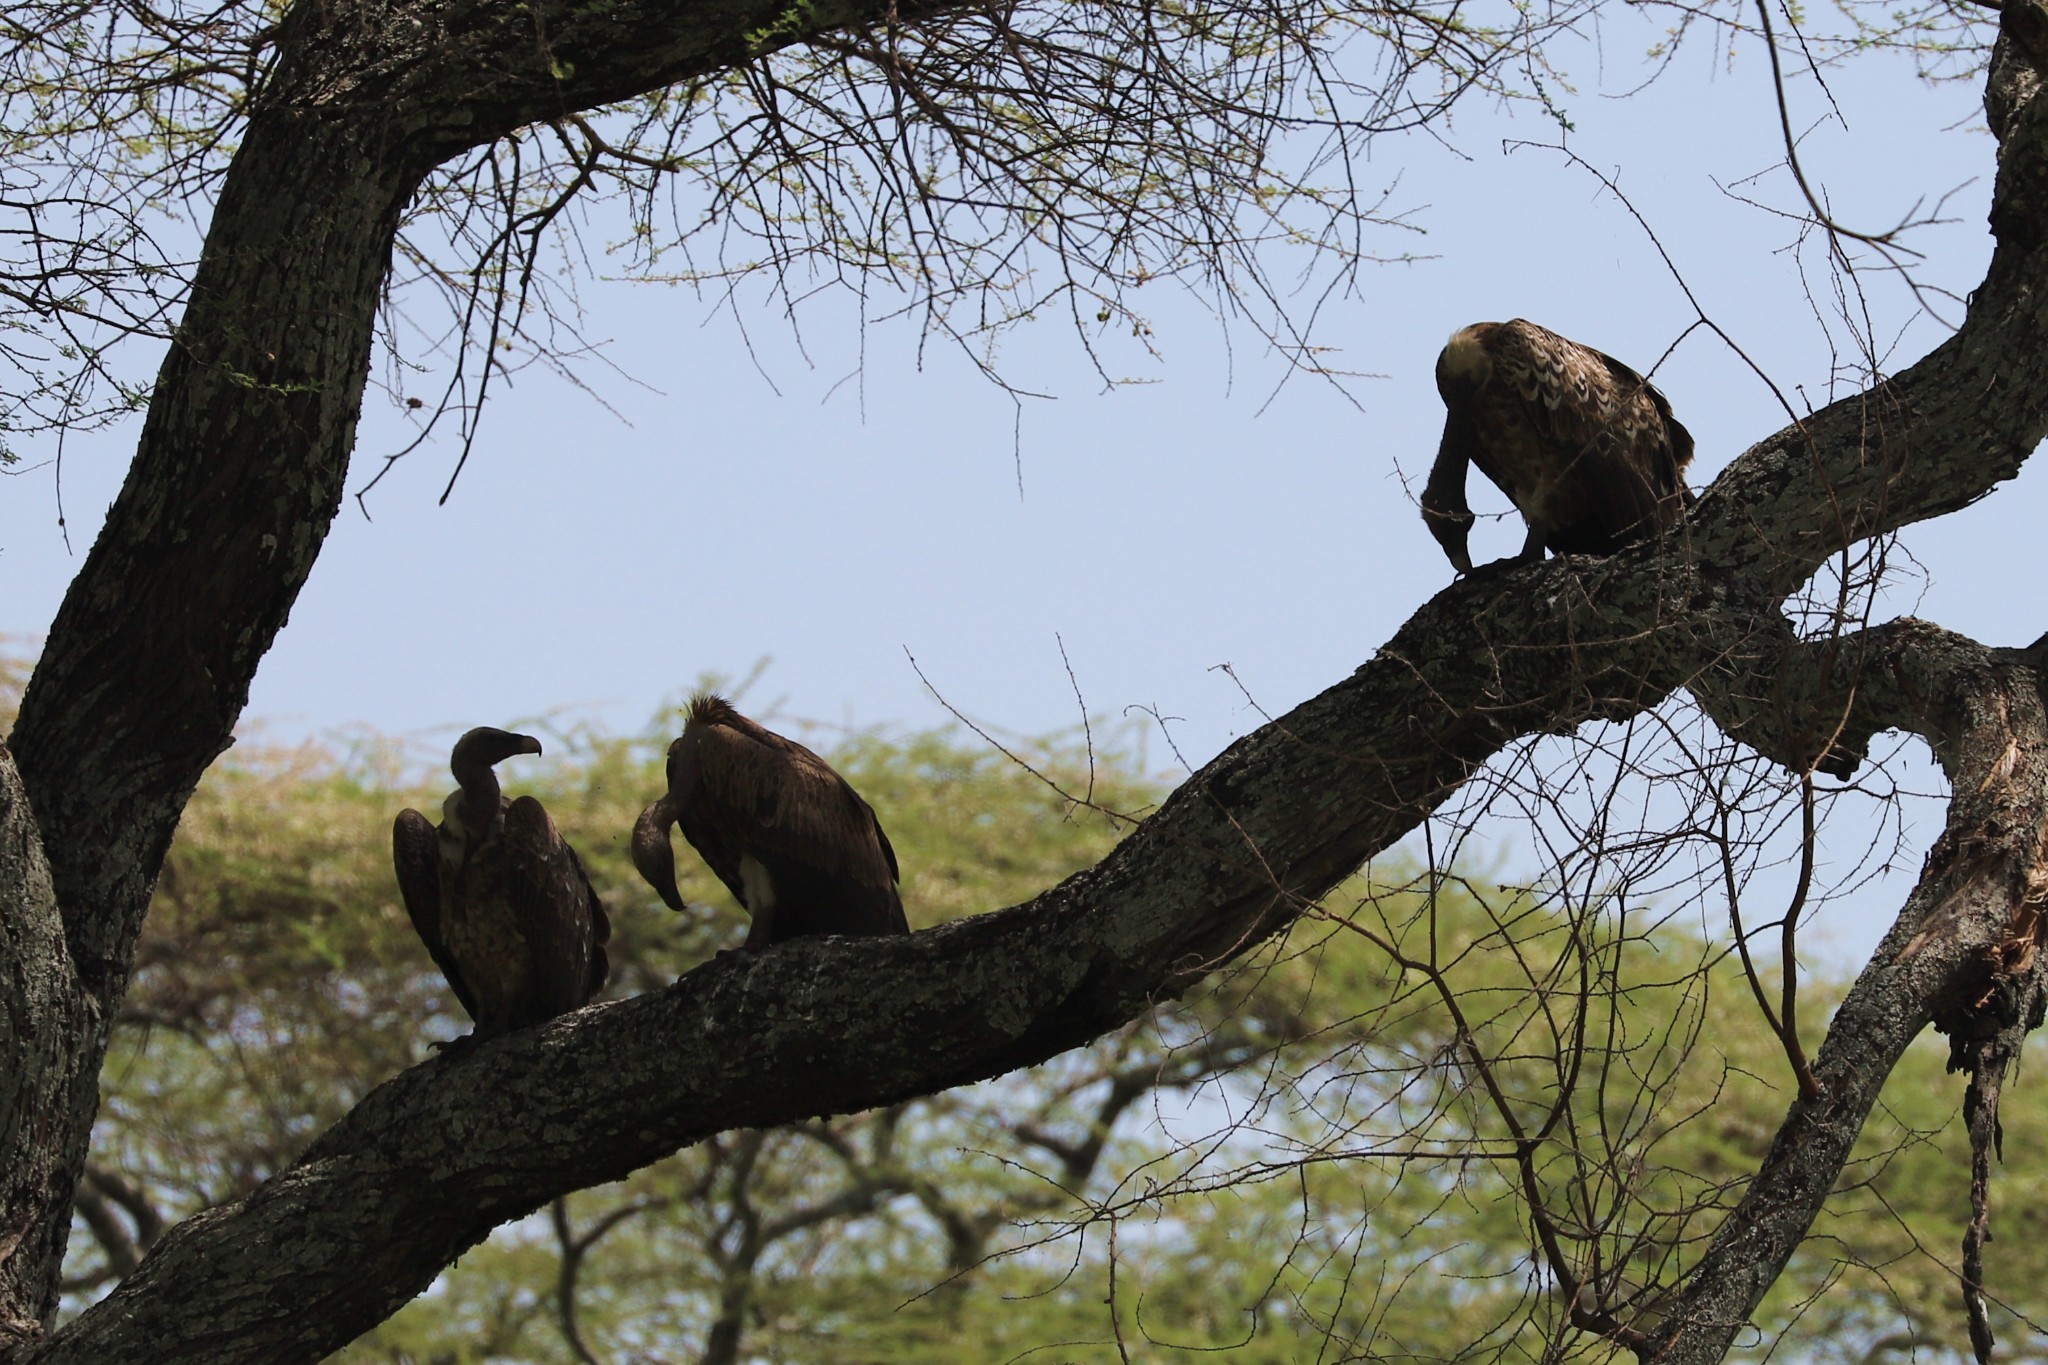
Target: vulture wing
pixel 557 911
pixel 1665 446
pixel 415 854
pixel 1621 449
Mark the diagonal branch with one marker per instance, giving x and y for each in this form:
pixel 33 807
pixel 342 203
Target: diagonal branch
pixel 1962 956
pixel 428 1164
pixel 434 1159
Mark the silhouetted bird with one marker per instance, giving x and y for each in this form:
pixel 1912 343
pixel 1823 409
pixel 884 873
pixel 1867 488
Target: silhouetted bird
pixel 789 838
pixel 499 897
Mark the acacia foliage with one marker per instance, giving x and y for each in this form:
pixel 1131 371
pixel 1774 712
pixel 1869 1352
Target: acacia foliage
pixel 1183 1188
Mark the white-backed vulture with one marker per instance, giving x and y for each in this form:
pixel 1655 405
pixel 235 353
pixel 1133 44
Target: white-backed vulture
pixel 795 845
pixel 1585 447
pixel 499 897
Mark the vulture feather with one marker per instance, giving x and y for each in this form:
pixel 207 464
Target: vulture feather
pixel 1585 447
pixel 789 838
pixel 499 897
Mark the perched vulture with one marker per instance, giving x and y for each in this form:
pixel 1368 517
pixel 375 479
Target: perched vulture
pixel 1587 449
pixel 499 897
pixel 789 838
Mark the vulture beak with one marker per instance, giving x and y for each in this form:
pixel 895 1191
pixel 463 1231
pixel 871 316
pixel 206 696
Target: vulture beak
pixel 654 855
pixel 1449 525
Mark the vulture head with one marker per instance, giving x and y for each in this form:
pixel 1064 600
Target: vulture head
pixel 475 754
pixel 653 853
pixel 1449 518
pixel 1462 366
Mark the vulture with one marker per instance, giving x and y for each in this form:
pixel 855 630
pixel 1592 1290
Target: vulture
pixel 1585 447
pixel 789 838
pixel 499 897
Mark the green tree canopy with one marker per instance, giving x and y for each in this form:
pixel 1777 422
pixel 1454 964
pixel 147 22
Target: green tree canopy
pixel 1305 1159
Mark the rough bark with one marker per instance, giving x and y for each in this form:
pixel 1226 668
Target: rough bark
pixel 434 1159
pixel 240 471
pixel 43 1082
pixel 235 482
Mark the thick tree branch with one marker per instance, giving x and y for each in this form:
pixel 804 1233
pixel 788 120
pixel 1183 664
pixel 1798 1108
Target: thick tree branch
pixel 434 1159
pixel 1936 437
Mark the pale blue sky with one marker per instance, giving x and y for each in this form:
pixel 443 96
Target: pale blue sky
pixel 1164 529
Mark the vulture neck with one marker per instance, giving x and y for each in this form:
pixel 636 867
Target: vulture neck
pixel 480 791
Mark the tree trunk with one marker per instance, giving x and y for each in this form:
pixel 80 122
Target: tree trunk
pixel 1960 956
pixel 237 476
pixel 44 1078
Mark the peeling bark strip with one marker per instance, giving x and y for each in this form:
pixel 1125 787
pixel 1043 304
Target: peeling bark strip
pixel 239 473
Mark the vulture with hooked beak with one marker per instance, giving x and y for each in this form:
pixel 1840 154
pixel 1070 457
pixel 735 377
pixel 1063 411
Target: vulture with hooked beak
pixel 1585 447
pixel 789 838
pixel 499 897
